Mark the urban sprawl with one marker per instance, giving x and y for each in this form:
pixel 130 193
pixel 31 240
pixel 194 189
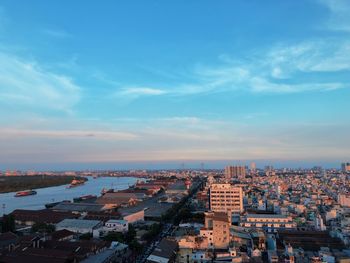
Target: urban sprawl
pixel 238 214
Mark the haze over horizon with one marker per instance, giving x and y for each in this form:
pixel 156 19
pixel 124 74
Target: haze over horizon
pixel 152 83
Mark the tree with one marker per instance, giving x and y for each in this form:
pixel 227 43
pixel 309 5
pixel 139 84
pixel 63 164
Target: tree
pixel 130 235
pixel 86 236
pixel 135 246
pixel 8 224
pixel 114 236
pixel 153 231
pixel 43 228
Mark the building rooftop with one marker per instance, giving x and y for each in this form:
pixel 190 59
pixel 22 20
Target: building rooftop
pixel 78 223
pixel 78 207
pixel 308 240
pixel 165 249
pixel 41 216
pixel 117 221
pixel 59 234
pixel 265 216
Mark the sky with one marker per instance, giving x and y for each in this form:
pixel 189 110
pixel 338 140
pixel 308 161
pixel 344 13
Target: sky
pixel 97 84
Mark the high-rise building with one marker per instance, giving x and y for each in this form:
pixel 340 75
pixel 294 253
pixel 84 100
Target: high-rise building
pixel 253 167
pixel 225 198
pixel 234 172
pixel 345 167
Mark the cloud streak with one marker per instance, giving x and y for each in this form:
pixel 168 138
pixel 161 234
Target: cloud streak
pixel 29 85
pixel 142 91
pixel 56 33
pixel 13 133
pixel 339 11
pixel 276 70
pixel 203 140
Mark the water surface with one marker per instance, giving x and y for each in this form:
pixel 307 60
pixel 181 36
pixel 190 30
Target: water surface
pixel 8 202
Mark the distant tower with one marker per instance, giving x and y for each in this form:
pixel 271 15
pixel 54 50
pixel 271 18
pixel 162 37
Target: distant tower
pixel 253 167
pixel 278 191
pixel 234 172
pixel 345 167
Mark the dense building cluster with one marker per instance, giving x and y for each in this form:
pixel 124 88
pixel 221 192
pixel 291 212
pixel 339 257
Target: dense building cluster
pixel 271 215
pixel 238 214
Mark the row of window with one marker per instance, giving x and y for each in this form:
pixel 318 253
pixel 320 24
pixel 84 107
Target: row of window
pixel 224 192
pixel 266 220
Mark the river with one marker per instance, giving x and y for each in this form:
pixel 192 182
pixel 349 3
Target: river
pixel 8 202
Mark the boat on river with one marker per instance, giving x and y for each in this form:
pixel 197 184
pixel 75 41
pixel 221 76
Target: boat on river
pixel 25 193
pixel 105 190
pixel 76 182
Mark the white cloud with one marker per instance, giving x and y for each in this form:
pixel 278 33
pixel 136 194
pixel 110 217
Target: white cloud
pixel 339 18
pixel 27 84
pixel 13 133
pixel 3 18
pixel 162 142
pixel 135 92
pixel 56 33
pixel 310 56
pixel 276 70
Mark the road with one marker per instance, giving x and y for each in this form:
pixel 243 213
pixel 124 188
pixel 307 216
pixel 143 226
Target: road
pixel 168 230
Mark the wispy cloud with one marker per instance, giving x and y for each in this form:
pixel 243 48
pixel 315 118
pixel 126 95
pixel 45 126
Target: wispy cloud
pixel 57 33
pixel 3 18
pixel 339 18
pixel 136 92
pixel 276 70
pixel 186 141
pixel 66 134
pixel 29 85
pixel 310 56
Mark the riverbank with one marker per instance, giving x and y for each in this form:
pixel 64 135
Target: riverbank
pixel 8 202
pixel 20 183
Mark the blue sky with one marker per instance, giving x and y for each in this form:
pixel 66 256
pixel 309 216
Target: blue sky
pixel 86 84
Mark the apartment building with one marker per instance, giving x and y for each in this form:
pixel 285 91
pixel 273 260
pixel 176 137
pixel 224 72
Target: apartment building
pixel 225 198
pixel 235 172
pixel 217 229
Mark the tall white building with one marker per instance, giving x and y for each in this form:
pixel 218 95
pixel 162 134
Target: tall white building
pixel 253 167
pixel 226 198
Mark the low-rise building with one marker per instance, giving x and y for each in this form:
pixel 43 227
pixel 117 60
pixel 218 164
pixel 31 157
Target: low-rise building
pixel 117 253
pixel 217 229
pixel 46 216
pixel 165 252
pixel 117 225
pixel 270 222
pixel 80 226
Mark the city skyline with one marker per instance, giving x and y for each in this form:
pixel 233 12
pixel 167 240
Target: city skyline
pixel 150 83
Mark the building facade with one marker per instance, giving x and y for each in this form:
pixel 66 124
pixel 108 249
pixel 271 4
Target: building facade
pixel 269 222
pixel 344 200
pixel 225 198
pixel 217 229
